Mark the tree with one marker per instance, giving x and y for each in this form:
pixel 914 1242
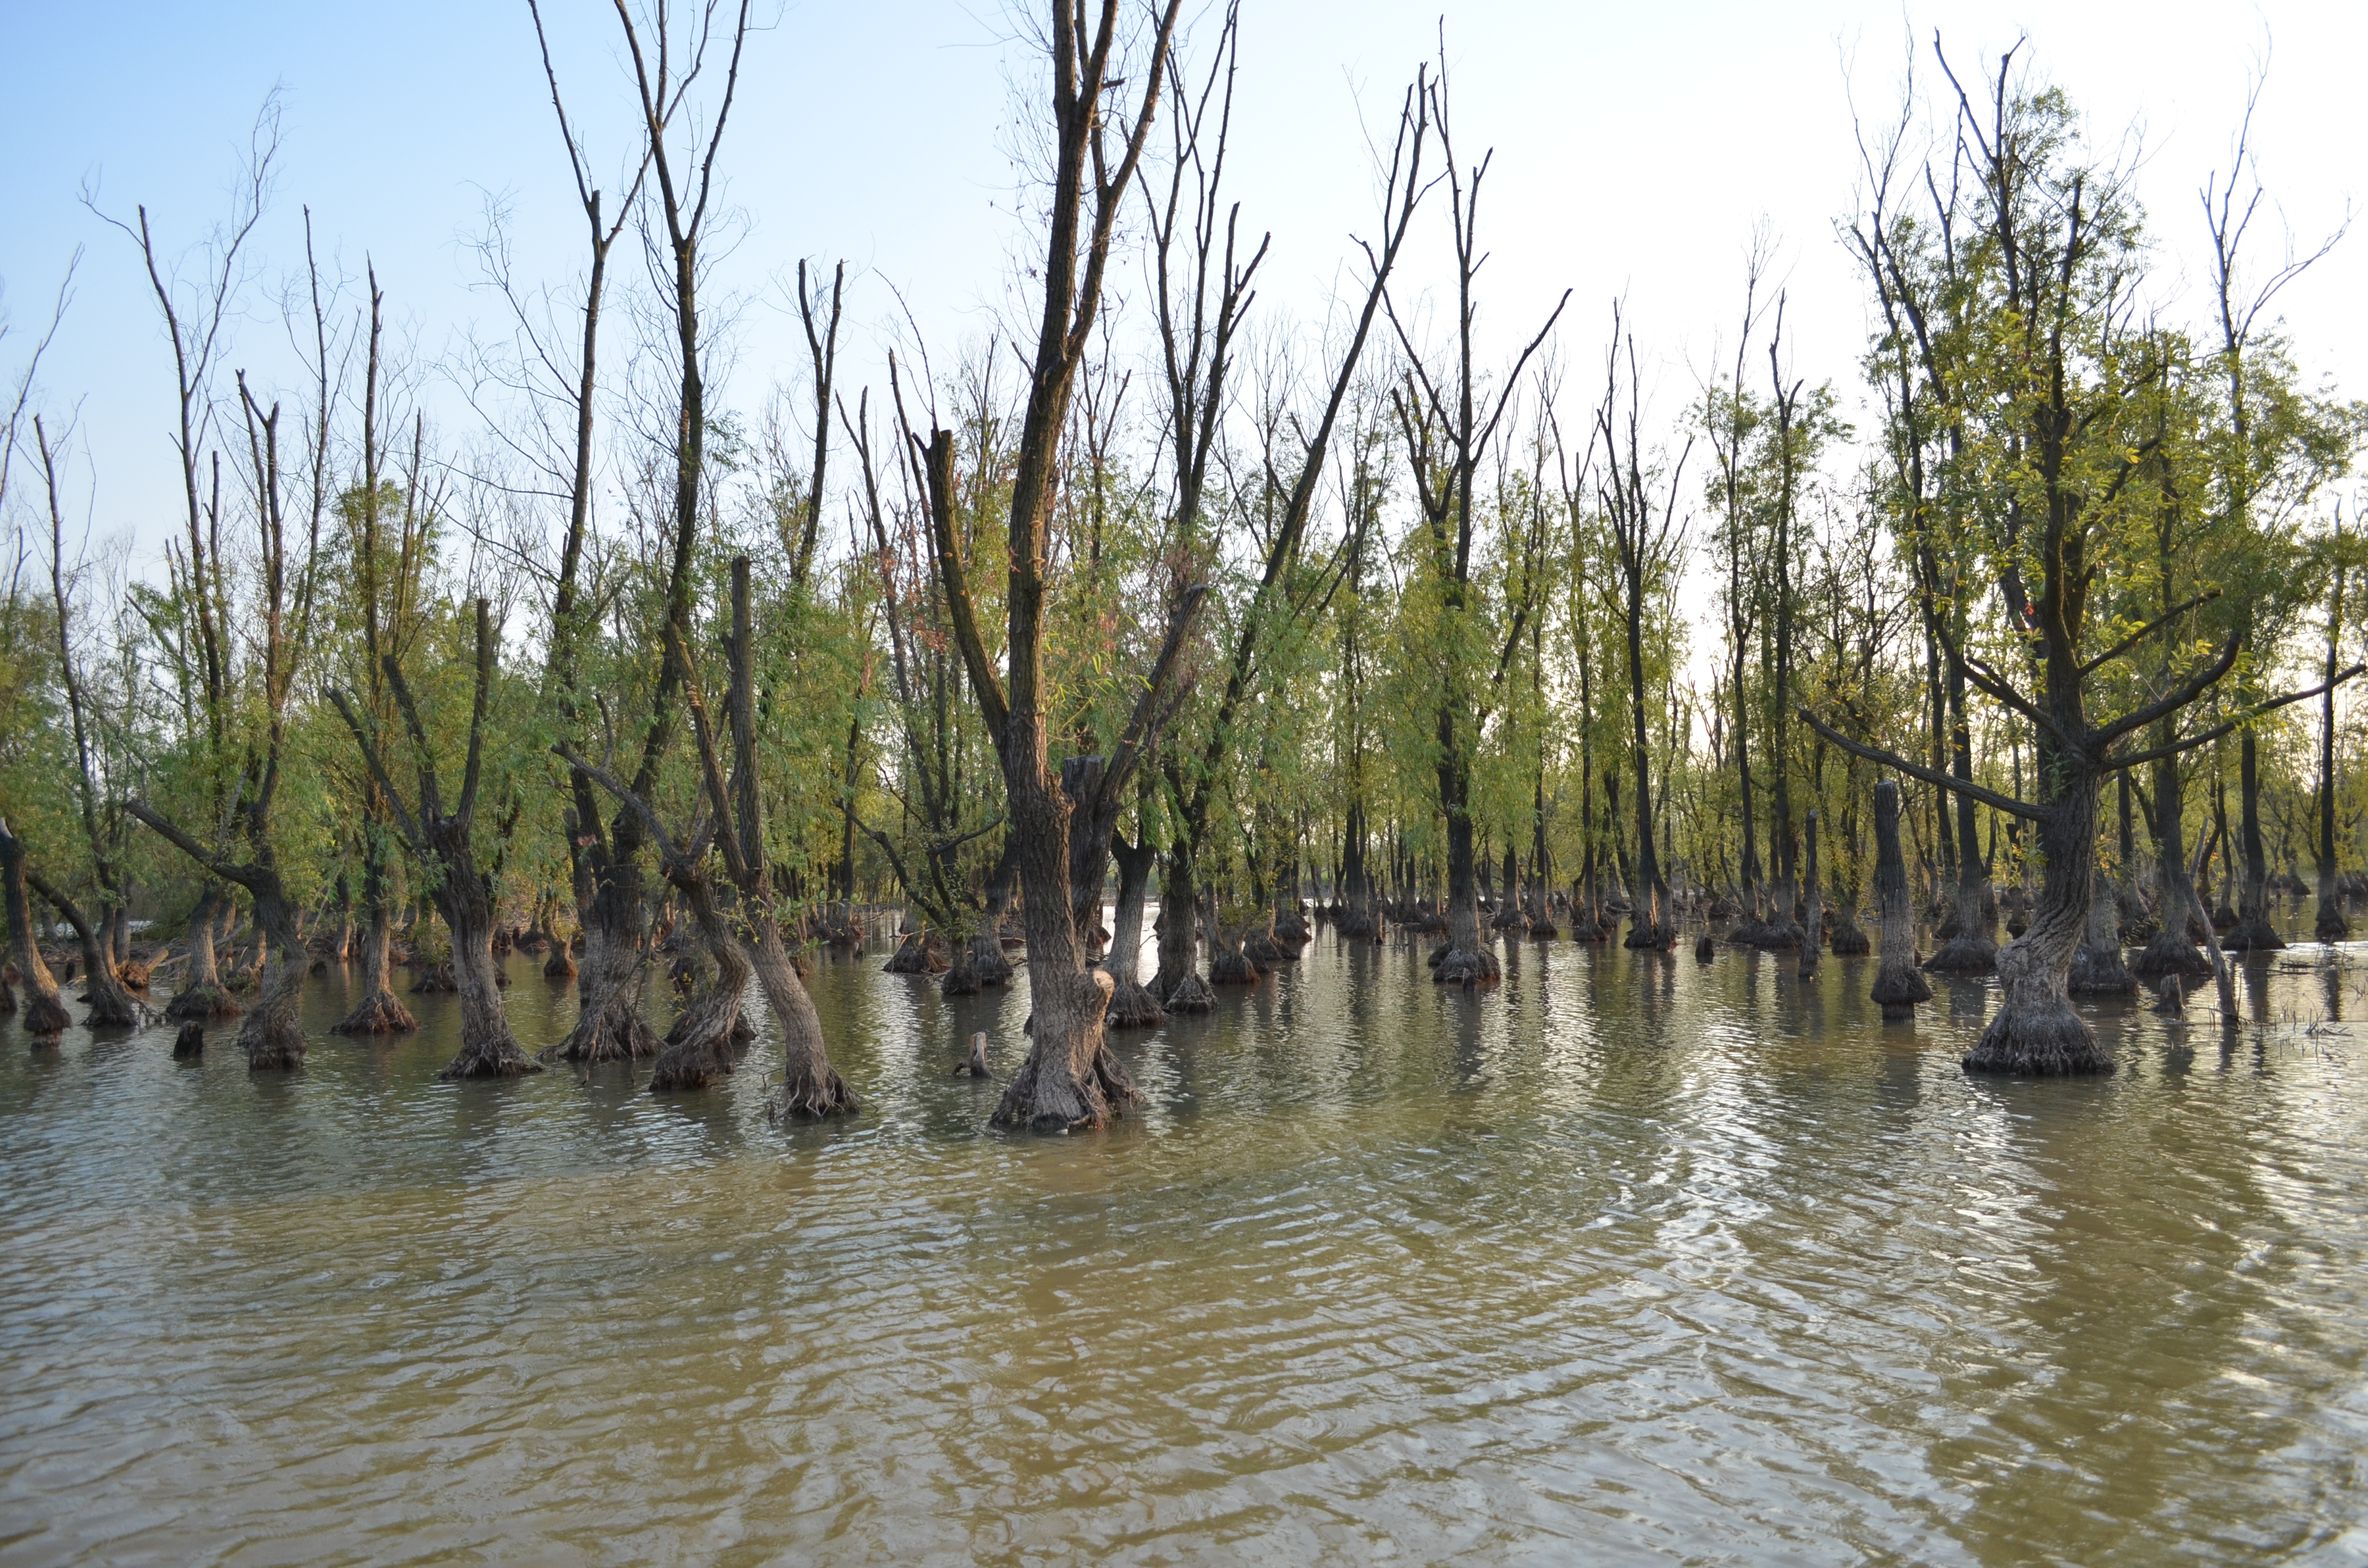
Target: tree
pixel 1070 1079
pixel 443 841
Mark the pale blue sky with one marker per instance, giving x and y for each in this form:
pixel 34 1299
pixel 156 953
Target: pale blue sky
pixel 1636 148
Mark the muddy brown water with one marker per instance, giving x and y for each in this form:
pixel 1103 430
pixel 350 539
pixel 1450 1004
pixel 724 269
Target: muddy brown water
pixel 1632 1261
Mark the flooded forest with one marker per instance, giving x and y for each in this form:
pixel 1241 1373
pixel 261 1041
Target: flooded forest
pixel 1168 933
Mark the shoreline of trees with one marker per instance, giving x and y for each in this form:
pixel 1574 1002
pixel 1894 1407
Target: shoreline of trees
pixel 1157 588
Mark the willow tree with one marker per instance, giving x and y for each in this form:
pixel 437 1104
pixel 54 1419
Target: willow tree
pixel 610 1024
pixel 1645 537
pixel 443 839
pixel 1070 1078
pixel 2065 385
pixel 1448 422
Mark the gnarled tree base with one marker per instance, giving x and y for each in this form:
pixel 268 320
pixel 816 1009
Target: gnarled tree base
pixel 498 1056
pixel 2171 953
pixel 190 1044
pixel 1465 965
pixel 1964 955
pixel 203 1002
pixel 1191 995
pixel 2100 972
pixel 1133 1007
pixel 1047 1097
pixel 1644 937
pixel 378 1013
pixel 2049 1041
pixel 1849 941
pixel 46 1018
pixel 812 1097
pixel 272 1040
pixel 2254 934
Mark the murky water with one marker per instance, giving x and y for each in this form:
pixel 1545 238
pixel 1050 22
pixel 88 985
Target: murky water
pixel 1631 1262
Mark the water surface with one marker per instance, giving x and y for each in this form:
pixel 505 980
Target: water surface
pixel 1632 1261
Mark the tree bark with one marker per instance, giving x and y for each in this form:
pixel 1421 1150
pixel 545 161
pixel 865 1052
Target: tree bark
pixel 377 1011
pixel 1900 985
pixel 699 1046
pixel 202 996
pixel 2035 1031
pixel 110 1005
pixel 45 1014
pixel 1131 1004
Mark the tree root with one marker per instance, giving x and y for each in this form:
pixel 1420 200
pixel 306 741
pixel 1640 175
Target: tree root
pixel 812 1097
pixel 498 1058
pixel 1465 967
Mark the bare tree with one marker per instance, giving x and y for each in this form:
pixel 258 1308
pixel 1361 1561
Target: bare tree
pixel 1070 1078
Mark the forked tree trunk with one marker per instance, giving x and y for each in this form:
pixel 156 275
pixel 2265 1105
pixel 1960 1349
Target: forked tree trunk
pixel 202 996
pixel 488 1050
pixel 1900 985
pixel 45 1013
pixel 2035 1031
pixel 1131 1004
pixel 110 1005
pixel 608 988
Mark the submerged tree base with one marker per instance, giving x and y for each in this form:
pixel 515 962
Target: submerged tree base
pixel 1471 966
pixel 2171 952
pixel 1964 955
pixel 1133 1007
pixel 203 1000
pixel 2252 935
pixel 1047 1097
pixel 2038 1042
pixel 812 1097
pixel 496 1058
pixel 2100 972
pixel 380 1012
pixel 1191 995
pixel 273 1044
pixel 45 1018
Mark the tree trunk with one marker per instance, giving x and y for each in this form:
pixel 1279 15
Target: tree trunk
pixel 2096 967
pixel 1898 983
pixel 110 1005
pixel 273 1035
pixel 812 1087
pixel 1131 1004
pixel 2035 1031
pixel 1070 1080
pixel 610 1027
pixel 1813 921
pixel 202 996
pixel 488 1050
pixel 2173 949
pixel 698 1047
pixel 980 963
pixel 377 1011
pixel 1468 959
pixel 45 1014
pixel 2253 933
pixel 1178 985
pixel 1969 949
